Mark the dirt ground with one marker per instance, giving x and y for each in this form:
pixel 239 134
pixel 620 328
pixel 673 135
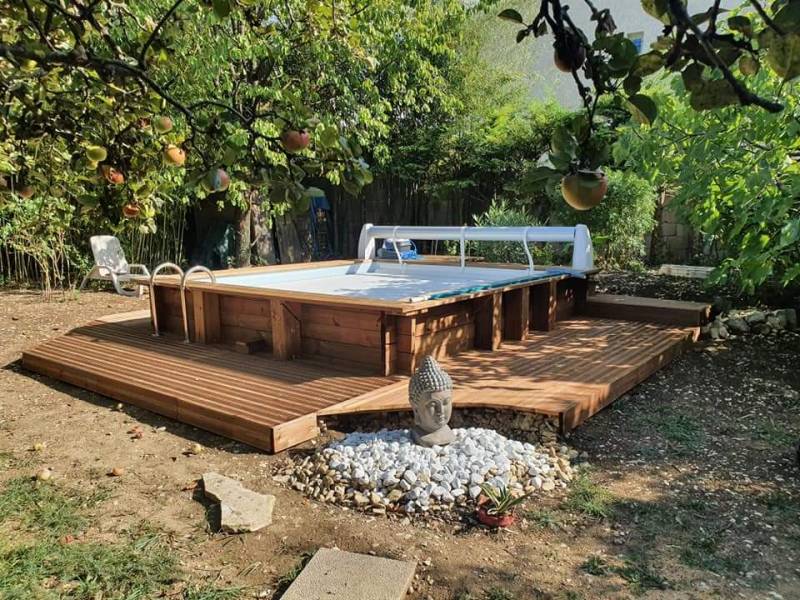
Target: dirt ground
pixel 693 489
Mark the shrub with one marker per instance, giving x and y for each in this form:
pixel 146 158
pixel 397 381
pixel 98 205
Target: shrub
pixel 501 213
pixel 619 224
pixel 734 174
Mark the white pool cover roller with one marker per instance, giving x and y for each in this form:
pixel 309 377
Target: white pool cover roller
pixel 582 252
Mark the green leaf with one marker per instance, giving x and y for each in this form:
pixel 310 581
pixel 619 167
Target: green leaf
pixel 692 76
pixel 741 23
pixel 647 64
pixel 783 52
pixel 510 14
pixel 563 143
pixel 222 8
pixel 644 109
pixel 713 94
pixel 539 174
pixel 790 234
pixel 329 136
pixel 522 34
pixel 314 192
pixel 658 9
pixel 788 17
pixel 351 187
pixel 632 84
pixel 622 50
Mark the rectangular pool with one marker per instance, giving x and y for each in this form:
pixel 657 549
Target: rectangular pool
pixel 409 282
pixel 378 316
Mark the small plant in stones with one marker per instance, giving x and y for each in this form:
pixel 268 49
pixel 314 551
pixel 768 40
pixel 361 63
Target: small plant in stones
pixel 496 505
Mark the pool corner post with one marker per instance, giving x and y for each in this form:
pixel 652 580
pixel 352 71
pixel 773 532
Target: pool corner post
pixel 286 340
pixel 488 321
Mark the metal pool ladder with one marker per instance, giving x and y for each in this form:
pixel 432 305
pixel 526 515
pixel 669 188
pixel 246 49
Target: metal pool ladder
pixel 161 267
pixel 184 277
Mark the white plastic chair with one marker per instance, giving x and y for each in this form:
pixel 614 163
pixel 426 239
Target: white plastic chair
pixel 110 265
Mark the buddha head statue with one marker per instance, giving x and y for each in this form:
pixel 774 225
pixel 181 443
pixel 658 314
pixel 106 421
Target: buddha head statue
pixel 430 392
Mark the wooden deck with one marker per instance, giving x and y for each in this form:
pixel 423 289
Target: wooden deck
pixel 266 403
pixel 570 373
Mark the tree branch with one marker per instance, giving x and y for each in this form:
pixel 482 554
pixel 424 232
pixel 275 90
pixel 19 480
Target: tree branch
pixel 156 30
pixel 35 22
pixel 746 97
pixel 763 14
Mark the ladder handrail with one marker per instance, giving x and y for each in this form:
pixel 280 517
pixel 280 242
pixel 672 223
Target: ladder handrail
pixel 184 278
pixel 153 312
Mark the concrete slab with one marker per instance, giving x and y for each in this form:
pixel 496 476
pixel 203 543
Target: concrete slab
pixel 338 575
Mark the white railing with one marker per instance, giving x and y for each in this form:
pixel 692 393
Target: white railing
pixel 578 236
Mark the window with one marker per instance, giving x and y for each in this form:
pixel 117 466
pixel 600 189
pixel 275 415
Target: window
pixel 637 39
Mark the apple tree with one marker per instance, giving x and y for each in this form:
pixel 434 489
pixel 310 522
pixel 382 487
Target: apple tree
pixel 715 52
pixel 118 108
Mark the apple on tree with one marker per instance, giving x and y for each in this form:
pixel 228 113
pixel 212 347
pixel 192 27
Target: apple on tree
pixel 130 210
pixel 585 189
pixel 174 156
pixel 294 140
pixel 112 175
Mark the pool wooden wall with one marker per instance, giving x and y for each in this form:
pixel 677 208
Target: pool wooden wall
pixel 382 336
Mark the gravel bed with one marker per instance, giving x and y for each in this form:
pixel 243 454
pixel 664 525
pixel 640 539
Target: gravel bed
pixel 386 471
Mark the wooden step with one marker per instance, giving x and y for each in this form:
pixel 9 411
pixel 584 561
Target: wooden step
pixel 649 310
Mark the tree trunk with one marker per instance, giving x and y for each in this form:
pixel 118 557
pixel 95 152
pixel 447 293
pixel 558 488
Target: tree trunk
pixel 242 235
pixel 261 231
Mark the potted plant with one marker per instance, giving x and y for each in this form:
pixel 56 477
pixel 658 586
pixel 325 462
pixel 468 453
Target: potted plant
pixel 496 506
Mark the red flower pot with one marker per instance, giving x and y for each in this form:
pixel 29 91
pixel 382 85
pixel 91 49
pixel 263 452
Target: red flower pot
pixel 484 517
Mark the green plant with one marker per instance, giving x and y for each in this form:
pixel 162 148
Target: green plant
pixel 85 569
pixel 113 115
pixel 546 519
pixel 587 497
pixel 53 561
pixel 701 47
pixel 703 552
pixel 285 580
pixel 44 506
pixel 682 430
pixel 497 593
pixel 734 177
pixel 637 573
pixel 501 213
pixel 501 500
pixel 209 592
pixel 640 575
pixel 595 565
pixel 620 223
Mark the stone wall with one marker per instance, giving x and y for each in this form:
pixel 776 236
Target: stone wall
pixel 672 241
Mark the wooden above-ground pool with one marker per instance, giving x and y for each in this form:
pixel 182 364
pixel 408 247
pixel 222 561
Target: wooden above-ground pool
pixel 384 316
pixel 357 328
pixel 355 318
